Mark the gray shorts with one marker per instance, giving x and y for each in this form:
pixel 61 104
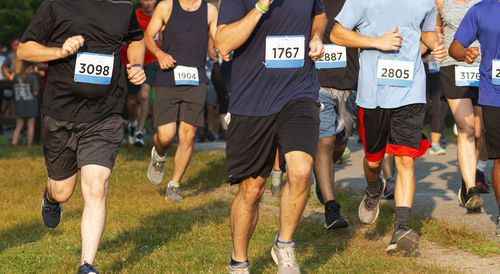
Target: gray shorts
pixel 338 114
pixel 180 103
pixel 68 146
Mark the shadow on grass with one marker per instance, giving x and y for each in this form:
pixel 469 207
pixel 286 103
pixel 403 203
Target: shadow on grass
pixel 157 230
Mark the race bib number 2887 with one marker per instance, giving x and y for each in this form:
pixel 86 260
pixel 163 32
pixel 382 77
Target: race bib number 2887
pixel 285 51
pixel 94 68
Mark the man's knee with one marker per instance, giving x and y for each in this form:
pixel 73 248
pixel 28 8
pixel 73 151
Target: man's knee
pixel 144 92
pixel 326 144
pixel 166 133
pixel 95 185
pixel 466 129
pixel 405 162
pixel 373 165
pixel 252 190
pixel 61 191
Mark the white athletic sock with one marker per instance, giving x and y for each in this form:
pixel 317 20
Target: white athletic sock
pixel 481 165
pixel 173 184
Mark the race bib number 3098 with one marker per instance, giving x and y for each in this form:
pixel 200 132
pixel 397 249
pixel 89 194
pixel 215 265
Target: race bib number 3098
pixel 285 51
pixel 94 68
pixel 495 71
pixel 395 73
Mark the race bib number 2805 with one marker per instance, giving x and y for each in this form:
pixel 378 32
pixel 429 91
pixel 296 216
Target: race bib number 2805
pixel 395 73
pixel 285 51
pixel 94 68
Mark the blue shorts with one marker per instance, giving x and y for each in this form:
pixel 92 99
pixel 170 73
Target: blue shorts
pixel 338 114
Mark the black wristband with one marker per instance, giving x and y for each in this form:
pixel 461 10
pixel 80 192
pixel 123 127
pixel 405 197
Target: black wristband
pixel 138 65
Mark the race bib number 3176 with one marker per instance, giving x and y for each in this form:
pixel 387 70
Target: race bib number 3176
pixel 285 51
pixel 495 71
pixel 395 73
pixel 467 76
pixel 94 68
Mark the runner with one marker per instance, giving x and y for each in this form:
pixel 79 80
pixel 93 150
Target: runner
pixel 338 76
pixel 274 93
pixel 461 92
pixel 391 97
pixel 180 84
pixel 81 126
pixel 481 23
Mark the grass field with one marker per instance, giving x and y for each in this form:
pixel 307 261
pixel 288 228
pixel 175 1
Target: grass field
pixel 146 234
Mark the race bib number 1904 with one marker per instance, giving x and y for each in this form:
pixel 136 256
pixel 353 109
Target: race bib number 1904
pixel 186 76
pixel 94 68
pixel 395 73
pixel 285 51
pixel 495 71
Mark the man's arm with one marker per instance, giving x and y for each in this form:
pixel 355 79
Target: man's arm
pixel 160 17
pixel 433 42
pixel 461 53
pixel 35 52
pixel 349 38
pixel 212 20
pixel 232 36
pixel 135 54
pixel 439 22
pixel 7 73
pixel 317 30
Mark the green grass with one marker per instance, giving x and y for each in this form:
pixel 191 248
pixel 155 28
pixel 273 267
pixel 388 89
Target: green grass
pixel 146 234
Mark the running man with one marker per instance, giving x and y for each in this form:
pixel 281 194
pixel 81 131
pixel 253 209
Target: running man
pixel 391 97
pixel 180 84
pixel 481 23
pixel 274 93
pixel 338 76
pixel 85 94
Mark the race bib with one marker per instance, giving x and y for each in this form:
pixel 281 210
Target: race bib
pixel 335 57
pixel 22 92
pixel 466 76
pixel 395 73
pixel 285 51
pixel 433 66
pixel 495 71
pixel 94 68
pixel 186 76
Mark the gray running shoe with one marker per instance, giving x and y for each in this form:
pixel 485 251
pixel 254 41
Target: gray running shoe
pixel 276 179
pixel 242 268
pixel 405 239
pixel 156 168
pixel 284 257
pixel 498 226
pixel 139 139
pixel 172 194
pixel 369 208
pixel 470 199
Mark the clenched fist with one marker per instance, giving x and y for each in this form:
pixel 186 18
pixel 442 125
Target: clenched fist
pixel 71 45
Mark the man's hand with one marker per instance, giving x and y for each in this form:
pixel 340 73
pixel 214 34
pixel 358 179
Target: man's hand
pixel 389 41
pixel 136 74
pixel 165 60
pixel 471 54
pixel 316 49
pixel 226 58
pixel 71 45
pixel 439 52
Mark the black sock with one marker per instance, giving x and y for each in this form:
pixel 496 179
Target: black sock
pixel 374 187
pixel 402 218
pixel 332 204
pixel 233 262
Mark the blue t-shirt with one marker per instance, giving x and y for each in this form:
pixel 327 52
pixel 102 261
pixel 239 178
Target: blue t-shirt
pixel 255 89
pixel 482 22
pixel 375 18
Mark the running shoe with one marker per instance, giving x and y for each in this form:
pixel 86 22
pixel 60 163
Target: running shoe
pixel 241 268
pixel 317 191
pixel 132 127
pixel 436 149
pixel 284 256
pixel 172 194
pixel 334 218
pixel 51 212
pixel 404 239
pixel 276 179
pixel 345 156
pixel 139 139
pixel 498 226
pixel 369 208
pixel 481 182
pixel 87 268
pixel 156 168
pixel 390 185
pixel 470 199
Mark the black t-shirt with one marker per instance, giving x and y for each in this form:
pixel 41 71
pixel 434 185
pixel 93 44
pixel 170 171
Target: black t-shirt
pixel 339 78
pixel 104 25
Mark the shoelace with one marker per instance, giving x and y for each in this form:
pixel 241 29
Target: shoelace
pixel 51 207
pixel 287 256
pixel 370 200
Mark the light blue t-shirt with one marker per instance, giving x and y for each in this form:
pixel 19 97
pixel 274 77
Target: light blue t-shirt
pixel 374 18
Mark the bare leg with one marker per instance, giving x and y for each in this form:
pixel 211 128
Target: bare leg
pixel 143 106
pixel 405 181
pixel 388 165
pixel 184 150
pixel 323 167
pixel 164 137
pixel 31 130
pixel 17 130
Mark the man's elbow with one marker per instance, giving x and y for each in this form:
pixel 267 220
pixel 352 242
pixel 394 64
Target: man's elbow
pixel 21 52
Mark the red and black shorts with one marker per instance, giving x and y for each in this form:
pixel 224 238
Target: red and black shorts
pixel 491 120
pixel 395 131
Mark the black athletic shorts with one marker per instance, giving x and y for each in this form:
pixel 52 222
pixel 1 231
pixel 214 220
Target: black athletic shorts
pixel 491 121
pixel 68 146
pixel 252 140
pixel 451 91
pixel 395 131
pixel 181 103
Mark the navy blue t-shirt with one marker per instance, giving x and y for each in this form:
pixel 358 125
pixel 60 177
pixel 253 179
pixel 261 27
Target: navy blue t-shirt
pixel 255 89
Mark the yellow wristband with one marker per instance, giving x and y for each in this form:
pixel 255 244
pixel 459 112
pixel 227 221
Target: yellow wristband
pixel 261 8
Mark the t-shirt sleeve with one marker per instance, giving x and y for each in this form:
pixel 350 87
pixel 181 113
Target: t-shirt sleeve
pixel 135 32
pixel 319 7
pixel 41 25
pixel 33 81
pixel 467 31
pixel 351 14
pixel 231 11
pixel 429 22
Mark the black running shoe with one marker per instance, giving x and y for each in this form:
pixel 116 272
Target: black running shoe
pixel 51 213
pixel 481 182
pixel 87 268
pixel 470 199
pixel 405 239
pixel 334 218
